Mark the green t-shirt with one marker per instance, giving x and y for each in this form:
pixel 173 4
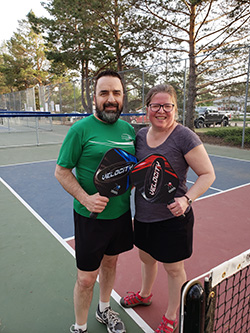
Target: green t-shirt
pixel 83 148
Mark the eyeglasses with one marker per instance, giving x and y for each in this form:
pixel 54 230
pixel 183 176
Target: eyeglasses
pixel 168 107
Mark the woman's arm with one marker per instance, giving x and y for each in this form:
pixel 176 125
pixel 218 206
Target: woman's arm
pixel 200 163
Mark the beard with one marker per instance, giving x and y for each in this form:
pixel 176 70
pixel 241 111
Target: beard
pixel 109 117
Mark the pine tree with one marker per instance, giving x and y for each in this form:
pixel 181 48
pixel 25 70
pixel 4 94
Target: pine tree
pixel 199 30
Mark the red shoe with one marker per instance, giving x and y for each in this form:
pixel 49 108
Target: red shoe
pixel 135 299
pixel 166 326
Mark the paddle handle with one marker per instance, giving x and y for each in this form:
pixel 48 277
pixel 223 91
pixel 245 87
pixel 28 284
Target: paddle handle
pixel 181 216
pixel 93 215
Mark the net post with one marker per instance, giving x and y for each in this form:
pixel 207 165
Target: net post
pixel 210 305
pixel 194 309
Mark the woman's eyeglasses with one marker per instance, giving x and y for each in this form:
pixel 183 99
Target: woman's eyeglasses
pixel 168 107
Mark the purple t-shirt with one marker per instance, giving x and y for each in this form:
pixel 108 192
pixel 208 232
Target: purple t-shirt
pixel 175 147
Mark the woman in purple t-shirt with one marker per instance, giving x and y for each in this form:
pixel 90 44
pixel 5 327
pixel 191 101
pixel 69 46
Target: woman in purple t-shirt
pixel 162 234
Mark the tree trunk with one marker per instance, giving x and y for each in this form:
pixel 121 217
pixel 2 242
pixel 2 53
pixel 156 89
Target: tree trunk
pixel 191 93
pixel 119 56
pixel 192 73
pixel 85 88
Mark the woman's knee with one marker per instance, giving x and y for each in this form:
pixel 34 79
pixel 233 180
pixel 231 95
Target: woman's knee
pixel 175 269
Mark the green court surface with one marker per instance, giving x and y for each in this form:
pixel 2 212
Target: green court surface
pixel 37 276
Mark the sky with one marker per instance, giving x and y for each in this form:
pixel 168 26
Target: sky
pixel 11 11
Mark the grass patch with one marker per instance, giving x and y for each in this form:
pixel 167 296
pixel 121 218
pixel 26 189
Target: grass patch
pixel 230 135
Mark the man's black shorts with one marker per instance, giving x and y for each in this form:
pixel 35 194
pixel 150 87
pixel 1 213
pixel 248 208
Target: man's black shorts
pixel 96 237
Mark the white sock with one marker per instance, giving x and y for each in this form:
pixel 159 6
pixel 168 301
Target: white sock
pixel 103 305
pixel 82 327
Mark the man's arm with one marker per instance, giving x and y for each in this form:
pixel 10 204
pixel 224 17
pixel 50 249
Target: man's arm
pixel 94 203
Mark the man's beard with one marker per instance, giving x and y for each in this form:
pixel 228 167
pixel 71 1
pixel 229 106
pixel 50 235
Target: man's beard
pixel 109 117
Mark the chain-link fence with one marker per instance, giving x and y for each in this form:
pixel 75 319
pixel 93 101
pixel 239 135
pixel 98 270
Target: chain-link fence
pixel 219 82
pixel 222 81
pixel 61 98
pixel 19 101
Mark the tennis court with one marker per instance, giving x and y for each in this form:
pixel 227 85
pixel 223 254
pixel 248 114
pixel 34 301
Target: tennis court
pixel 36 241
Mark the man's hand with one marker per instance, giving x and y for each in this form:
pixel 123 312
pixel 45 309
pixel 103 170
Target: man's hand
pixel 95 203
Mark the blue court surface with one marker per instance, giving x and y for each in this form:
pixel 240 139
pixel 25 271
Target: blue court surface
pixel 36 184
pixel 33 200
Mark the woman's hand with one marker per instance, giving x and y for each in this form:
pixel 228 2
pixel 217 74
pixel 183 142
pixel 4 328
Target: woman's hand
pixel 179 206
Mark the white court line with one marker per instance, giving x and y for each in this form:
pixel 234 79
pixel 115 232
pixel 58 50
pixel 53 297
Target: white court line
pixel 69 238
pixel 217 189
pixel 39 218
pixel 222 192
pixel 25 163
pixel 230 158
pixel 210 188
pixel 54 160
pixel 141 323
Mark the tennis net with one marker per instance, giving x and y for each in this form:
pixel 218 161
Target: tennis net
pixel 18 121
pixel 219 300
pixel 23 128
pixel 29 128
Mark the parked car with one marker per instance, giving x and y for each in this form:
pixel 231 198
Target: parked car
pixel 207 116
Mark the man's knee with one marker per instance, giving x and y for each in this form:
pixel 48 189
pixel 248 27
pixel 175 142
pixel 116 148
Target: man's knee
pixel 109 262
pixel 86 280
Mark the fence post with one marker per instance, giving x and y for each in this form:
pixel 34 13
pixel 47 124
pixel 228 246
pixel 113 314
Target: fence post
pixel 14 101
pixel 245 108
pixel 20 101
pixel 34 98
pixel 26 101
pixel 184 94
pixel 60 96
pixel 74 87
pixel 143 86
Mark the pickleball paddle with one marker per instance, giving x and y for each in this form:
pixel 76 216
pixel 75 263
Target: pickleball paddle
pixel 112 175
pixel 155 179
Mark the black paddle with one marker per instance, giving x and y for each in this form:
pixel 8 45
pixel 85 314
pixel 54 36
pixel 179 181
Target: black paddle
pixel 155 179
pixel 112 175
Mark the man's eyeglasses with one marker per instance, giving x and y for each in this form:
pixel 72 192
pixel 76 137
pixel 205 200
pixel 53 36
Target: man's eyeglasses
pixel 168 107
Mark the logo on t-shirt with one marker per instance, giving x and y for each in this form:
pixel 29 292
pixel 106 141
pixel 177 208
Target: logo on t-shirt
pixel 126 137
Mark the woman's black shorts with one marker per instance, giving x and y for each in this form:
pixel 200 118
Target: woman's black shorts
pixel 96 237
pixel 166 241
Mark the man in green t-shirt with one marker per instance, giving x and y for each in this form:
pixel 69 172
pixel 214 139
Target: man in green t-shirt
pixel 98 242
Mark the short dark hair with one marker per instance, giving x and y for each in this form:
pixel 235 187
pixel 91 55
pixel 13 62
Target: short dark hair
pixel 108 72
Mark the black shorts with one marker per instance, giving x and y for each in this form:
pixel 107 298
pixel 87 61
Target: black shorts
pixel 166 241
pixel 96 237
